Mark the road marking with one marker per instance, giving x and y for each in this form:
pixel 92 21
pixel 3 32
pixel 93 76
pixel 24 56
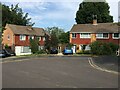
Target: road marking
pixel 14 61
pixel 99 68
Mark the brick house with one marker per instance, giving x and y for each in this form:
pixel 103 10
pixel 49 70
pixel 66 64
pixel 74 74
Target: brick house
pixel 17 38
pixel 84 34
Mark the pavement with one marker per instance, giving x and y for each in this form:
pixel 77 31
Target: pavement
pixel 110 63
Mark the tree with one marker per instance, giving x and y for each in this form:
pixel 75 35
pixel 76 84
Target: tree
pixel 88 9
pixel 64 38
pixel 14 15
pixel 34 45
pixel 57 31
pixel 53 40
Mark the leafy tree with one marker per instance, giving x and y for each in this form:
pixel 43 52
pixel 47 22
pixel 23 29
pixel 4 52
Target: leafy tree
pixel 34 45
pixel 53 40
pixel 87 10
pixel 64 38
pixel 14 15
pixel 57 31
pixel 47 43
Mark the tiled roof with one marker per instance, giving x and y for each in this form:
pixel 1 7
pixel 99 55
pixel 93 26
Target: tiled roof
pixel 100 28
pixel 27 30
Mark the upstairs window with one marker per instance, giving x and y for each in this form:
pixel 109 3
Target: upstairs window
pixel 105 35
pixel 85 35
pixel 102 35
pixel 116 35
pixel 32 37
pixel 73 35
pixel 39 38
pixel 8 37
pixel 22 37
pixel 43 38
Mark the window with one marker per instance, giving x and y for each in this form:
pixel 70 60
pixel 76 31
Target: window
pixel 73 35
pixel 39 38
pixel 105 35
pixel 8 37
pixel 32 37
pixel 102 35
pixel 99 35
pixel 116 36
pixel 22 37
pixel 85 35
pixel 43 38
pixel 25 49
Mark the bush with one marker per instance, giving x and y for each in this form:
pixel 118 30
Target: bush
pixel 34 45
pixel 40 52
pixel 83 52
pixel 102 48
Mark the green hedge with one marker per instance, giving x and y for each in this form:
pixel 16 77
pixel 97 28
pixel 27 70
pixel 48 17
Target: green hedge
pixel 83 52
pixel 102 48
pixel 41 52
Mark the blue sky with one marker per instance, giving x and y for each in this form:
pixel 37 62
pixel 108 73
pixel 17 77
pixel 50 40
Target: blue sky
pixel 53 13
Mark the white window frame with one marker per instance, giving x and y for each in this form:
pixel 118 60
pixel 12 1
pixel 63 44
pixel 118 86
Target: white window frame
pixel 31 37
pixel 43 38
pixel 85 35
pixel 74 34
pixel 102 37
pixel 40 39
pixel 115 37
pixel 22 37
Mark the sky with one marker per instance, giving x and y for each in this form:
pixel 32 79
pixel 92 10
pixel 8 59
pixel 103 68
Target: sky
pixel 49 13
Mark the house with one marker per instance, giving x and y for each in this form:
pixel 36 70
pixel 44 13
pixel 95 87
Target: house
pixel 17 38
pixel 85 34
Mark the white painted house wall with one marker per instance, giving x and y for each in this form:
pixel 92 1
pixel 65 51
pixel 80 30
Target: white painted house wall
pixel 19 50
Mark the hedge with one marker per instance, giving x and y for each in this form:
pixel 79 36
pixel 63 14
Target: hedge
pixel 103 48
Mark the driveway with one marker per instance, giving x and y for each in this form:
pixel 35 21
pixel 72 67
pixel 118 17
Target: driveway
pixel 55 72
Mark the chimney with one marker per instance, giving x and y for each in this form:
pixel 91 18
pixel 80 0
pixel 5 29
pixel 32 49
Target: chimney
pixel 94 19
pixel 95 22
pixel 29 27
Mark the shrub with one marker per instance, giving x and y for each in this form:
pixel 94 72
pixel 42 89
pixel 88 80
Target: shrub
pixel 40 52
pixel 6 46
pixel 102 48
pixel 83 52
pixel 114 47
pixel 34 45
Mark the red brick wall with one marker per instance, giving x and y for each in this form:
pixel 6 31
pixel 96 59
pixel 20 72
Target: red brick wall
pixel 26 42
pixel 5 40
pixel 18 42
pixel 116 41
pixel 41 42
pixel 79 40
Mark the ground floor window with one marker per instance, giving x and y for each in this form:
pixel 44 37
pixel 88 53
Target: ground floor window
pixel 41 47
pixel 25 49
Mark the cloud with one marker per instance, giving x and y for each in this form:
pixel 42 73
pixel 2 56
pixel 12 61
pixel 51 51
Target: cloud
pixel 40 0
pixel 50 13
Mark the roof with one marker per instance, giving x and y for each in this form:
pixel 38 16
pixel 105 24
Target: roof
pixel 26 30
pixel 99 28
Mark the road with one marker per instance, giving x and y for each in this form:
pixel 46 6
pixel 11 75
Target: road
pixel 55 72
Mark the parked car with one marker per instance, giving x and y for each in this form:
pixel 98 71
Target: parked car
pixel 67 51
pixel 53 51
pixel 4 53
pixel 10 52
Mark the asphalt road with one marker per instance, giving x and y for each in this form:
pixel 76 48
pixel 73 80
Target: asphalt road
pixel 55 72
